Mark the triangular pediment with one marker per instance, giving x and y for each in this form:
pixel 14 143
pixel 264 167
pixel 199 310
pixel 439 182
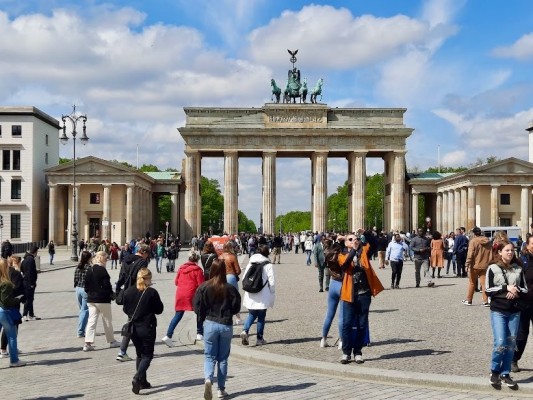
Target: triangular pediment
pixel 91 165
pixel 508 166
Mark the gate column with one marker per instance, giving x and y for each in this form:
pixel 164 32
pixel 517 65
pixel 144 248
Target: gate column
pixel 192 194
pixel 231 192
pixel 269 192
pixel 357 185
pixel 320 190
pixel 398 189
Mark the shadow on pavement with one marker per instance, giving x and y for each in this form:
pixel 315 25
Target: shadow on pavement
pixel 187 383
pixel 411 353
pixel 396 341
pixel 64 317
pixel 65 397
pixel 178 353
pixel 54 351
pixel 57 291
pixel 58 362
pixel 295 340
pixel 384 311
pixel 273 389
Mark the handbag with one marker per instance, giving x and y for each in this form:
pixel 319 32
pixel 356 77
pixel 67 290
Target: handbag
pixel 127 328
pixel 518 303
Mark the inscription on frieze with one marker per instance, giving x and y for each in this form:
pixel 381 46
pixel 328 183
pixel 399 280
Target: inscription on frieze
pixel 295 117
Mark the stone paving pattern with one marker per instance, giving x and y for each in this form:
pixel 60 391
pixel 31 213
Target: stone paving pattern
pixel 416 332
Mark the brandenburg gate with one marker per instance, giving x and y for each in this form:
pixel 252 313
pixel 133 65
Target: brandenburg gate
pixel 314 131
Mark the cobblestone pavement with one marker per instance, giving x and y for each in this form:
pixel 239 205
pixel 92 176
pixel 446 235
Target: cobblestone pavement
pixel 419 332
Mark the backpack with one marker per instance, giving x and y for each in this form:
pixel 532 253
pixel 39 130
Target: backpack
pixel 253 279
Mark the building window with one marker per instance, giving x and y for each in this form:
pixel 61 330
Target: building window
pixel 15 226
pixel 94 198
pixel 46 140
pixel 6 160
pixel 505 221
pixel 16 130
pixel 505 199
pixel 16 188
pixel 46 158
pixel 16 160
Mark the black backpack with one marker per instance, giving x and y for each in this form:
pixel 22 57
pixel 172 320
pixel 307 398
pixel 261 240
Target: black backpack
pixel 253 279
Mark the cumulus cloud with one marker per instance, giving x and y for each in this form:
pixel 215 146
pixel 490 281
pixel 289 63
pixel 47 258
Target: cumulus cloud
pixel 455 158
pixel 522 49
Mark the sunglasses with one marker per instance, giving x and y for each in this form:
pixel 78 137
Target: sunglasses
pixel 352 239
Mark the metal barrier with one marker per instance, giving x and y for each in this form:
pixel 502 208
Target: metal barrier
pixel 21 248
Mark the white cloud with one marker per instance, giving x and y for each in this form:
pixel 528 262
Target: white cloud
pixel 455 158
pixel 333 38
pixel 522 49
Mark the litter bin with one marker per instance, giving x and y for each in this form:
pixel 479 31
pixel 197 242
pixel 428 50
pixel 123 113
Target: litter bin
pixel 38 262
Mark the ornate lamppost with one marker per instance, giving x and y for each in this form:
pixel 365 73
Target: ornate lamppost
pixel 74 119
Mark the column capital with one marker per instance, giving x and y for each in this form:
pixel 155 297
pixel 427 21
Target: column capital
pixel 231 152
pixel 399 152
pixel 189 152
pixel 495 185
pixel 107 185
pixel 526 186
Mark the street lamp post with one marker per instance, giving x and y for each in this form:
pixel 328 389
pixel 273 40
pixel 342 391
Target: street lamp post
pixel 74 119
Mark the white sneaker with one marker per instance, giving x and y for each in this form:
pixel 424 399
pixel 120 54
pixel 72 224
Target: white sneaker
pixel 244 338
pixel 199 337
pixel 324 342
pixel 114 344
pixel 168 341
pixel 208 393
pixel 88 347
pixel 4 354
pixel 221 394
pixel 359 359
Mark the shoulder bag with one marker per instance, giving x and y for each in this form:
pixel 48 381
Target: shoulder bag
pixel 127 328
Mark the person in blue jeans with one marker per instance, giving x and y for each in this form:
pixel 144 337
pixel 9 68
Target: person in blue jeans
pixel 216 302
pixel 7 301
pixel 257 303
pixel 505 284
pixel 81 294
pixel 308 245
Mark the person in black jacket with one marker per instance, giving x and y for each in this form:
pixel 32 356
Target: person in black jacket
pixel 7 249
pixel 126 279
pixel 29 273
pixel 216 302
pixel 141 304
pixel 172 254
pixel 99 293
pixel 18 291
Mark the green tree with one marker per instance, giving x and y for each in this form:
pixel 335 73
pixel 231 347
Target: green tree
pixel 375 196
pixel 293 221
pixel 149 168
pixel 64 160
pixel 245 224
pixel 338 210
pixel 212 205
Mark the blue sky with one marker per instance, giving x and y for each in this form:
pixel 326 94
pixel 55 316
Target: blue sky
pixel 462 68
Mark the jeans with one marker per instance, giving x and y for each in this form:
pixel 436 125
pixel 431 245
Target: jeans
pixel 158 263
pixel 11 332
pixel 397 268
pixel 171 265
pixel 418 266
pixel 451 259
pixel 115 263
pixel 526 318
pixel 175 321
pixel 232 280
pixel 52 258
pixel 504 330
pixel 83 317
pixel 296 246
pixel 217 346
pixel 252 315
pixel 308 252
pixel 321 269
pixel 29 292
pixel 334 296
pixel 143 338
pixel 461 259
pixel 355 316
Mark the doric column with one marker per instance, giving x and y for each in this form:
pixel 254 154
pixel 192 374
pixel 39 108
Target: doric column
pixel 494 205
pixel 107 212
pixel 457 208
pixel 471 219
pixel 192 194
pixel 438 213
pixel 129 212
pixel 451 206
pixel 398 189
pixel 319 190
pixel 525 195
pixel 357 174
pixel 52 205
pixel 414 211
pixel 269 191
pixel 444 218
pixel 231 192
pixel 173 227
pixel 464 209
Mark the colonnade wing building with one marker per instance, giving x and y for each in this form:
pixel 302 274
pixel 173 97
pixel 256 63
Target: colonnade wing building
pixel 313 131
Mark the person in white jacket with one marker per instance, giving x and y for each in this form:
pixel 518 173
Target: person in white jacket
pixel 257 303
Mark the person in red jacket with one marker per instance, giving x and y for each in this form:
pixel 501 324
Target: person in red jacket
pixel 188 278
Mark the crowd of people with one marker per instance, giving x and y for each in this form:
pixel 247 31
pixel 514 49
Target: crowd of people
pixel 208 284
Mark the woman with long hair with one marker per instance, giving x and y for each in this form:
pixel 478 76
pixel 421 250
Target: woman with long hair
pixel 18 290
pixel 99 293
pixel 187 280
pixel 208 255
pixel 7 301
pixel 81 294
pixel 233 270
pixel 141 304
pixel 505 285
pixel 215 303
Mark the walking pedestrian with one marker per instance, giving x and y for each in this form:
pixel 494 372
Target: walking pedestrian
pixel 141 304
pixel 320 262
pixel 420 246
pixel 216 302
pixel 258 303
pixel 188 278
pixel 233 270
pixel 395 253
pixel 51 251
pixel 29 273
pixel 478 259
pixel 308 245
pixel 15 276
pixel 437 254
pixel 81 295
pixel 505 285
